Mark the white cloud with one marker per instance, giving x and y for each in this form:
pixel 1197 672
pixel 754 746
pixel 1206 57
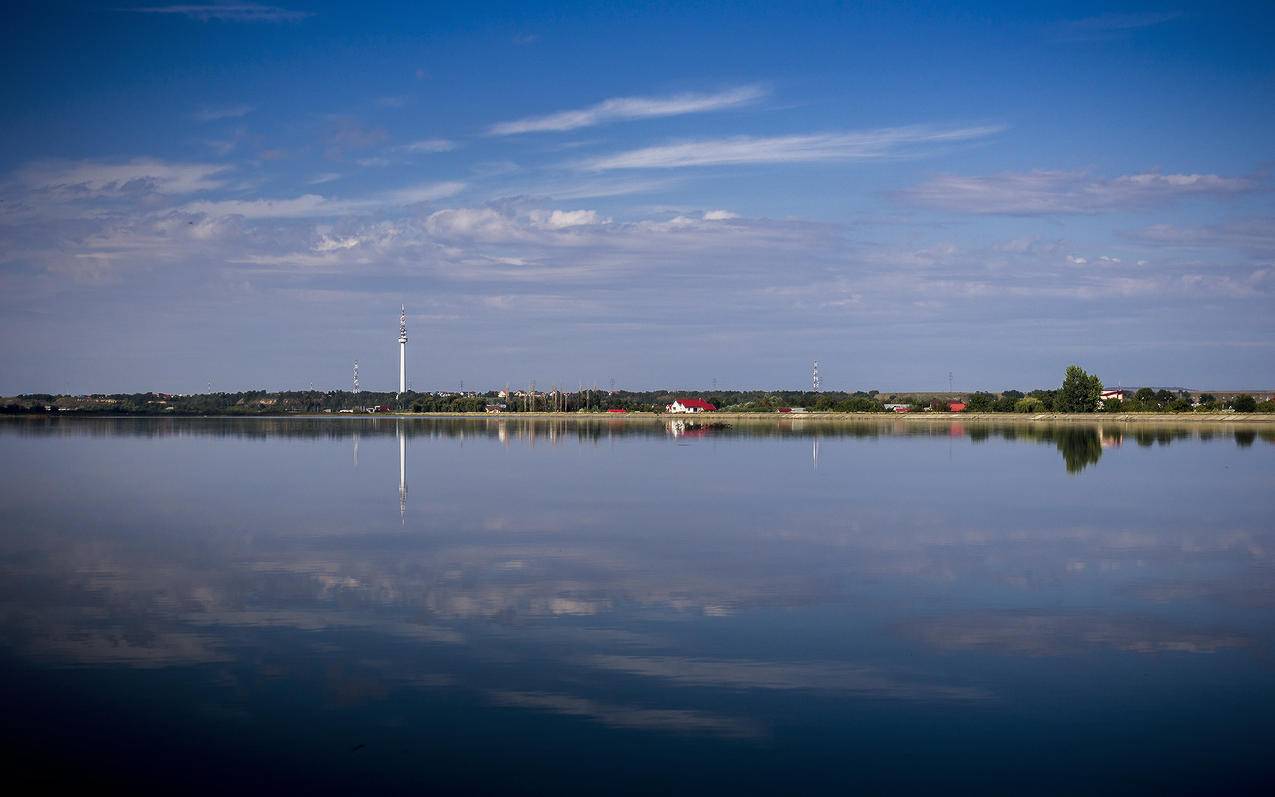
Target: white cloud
pixel 328 243
pixel 94 178
pixel 561 219
pixel 620 108
pixel 1076 260
pixel 483 224
pixel 425 192
pixel 720 215
pixel 305 206
pixel 430 145
pixel 892 142
pixel 1048 192
pixel 318 206
pixel 227 12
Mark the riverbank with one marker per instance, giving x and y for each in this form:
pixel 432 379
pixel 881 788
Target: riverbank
pixel 1185 418
pixel 1098 418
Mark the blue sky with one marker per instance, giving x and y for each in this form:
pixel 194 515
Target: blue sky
pixel 243 194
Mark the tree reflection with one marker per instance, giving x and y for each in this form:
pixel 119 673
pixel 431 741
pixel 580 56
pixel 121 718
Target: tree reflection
pixel 1080 447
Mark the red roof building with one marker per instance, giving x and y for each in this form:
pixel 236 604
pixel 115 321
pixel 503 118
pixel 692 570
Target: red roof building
pixel 956 406
pixel 617 410
pixel 691 405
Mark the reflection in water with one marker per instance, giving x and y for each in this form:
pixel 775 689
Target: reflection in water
pixel 1080 447
pixel 725 608
pixel 402 471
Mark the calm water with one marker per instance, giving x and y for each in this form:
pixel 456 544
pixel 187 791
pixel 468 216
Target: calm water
pixel 363 605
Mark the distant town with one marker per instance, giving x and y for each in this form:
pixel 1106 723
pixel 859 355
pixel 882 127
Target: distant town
pixel 1080 392
pixel 620 402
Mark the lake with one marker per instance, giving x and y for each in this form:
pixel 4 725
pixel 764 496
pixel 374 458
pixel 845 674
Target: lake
pixel 367 605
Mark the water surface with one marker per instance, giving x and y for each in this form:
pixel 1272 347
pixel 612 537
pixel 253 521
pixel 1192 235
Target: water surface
pixel 503 606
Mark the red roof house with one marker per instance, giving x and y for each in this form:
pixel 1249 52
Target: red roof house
pixel 691 405
pixel 956 406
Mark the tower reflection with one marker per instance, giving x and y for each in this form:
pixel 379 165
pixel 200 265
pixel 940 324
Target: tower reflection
pixel 402 472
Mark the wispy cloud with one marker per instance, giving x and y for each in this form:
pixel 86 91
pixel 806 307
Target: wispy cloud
pixel 211 113
pixel 319 206
pixel 1109 26
pixel 72 179
pixel 1255 236
pixel 227 12
pixel 891 142
pixel 428 145
pixel 621 108
pixel 680 721
pixel 746 674
pixel 425 192
pixel 1050 192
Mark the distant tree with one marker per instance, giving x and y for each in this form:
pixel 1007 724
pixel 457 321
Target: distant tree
pixel 1047 397
pixel 1112 405
pixel 1005 403
pixel 1014 394
pixel 1080 391
pixel 1029 404
pixel 1179 405
pixel 1244 403
pixel 981 402
pixel 1163 397
pixel 1145 395
pixel 1208 399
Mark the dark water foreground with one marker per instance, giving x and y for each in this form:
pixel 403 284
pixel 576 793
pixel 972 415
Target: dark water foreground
pixel 372 605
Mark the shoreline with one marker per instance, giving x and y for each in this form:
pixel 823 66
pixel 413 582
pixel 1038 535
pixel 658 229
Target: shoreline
pixel 1162 418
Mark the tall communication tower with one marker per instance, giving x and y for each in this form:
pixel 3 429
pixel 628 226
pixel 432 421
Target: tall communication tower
pixel 356 376
pixel 815 384
pixel 402 350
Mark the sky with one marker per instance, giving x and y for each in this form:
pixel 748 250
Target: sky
pixel 242 195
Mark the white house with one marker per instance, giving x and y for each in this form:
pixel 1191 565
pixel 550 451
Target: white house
pixel 690 405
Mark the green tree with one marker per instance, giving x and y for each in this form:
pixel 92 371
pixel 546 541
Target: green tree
pixel 981 402
pixel 1244 403
pixel 1080 391
pixel 1029 404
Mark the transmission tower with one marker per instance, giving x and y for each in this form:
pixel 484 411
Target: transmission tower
pixel 814 377
pixel 356 376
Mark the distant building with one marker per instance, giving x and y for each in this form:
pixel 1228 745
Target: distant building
pixel 1118 395
pixel 787 410
pixel 690 405
pixel 617 410
pixel 956 406
pixel 493 409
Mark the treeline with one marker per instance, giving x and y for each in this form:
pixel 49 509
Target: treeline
pixel 1079 392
